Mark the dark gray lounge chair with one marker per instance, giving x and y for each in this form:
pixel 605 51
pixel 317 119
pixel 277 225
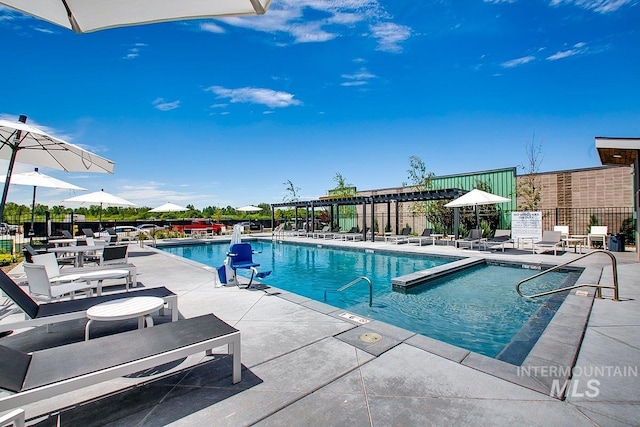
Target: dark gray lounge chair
pixel 473 238
pixel 46 373
pixel 403 237
pixel 61 311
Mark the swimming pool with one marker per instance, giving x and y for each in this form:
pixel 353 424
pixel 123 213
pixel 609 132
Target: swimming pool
pixel 476 308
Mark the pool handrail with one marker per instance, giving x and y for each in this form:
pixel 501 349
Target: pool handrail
pixel 351 283
pixel 614 270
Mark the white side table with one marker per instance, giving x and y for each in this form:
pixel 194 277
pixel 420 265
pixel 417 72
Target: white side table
pixel 125 308
pixel 101 275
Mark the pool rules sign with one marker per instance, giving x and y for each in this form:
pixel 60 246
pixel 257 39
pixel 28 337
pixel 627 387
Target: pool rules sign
pixel 526 225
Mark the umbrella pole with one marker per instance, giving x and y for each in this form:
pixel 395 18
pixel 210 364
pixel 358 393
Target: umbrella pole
pixel 12 161
pixel 33 214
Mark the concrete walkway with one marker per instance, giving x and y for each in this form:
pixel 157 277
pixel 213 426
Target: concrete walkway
pixel 305 365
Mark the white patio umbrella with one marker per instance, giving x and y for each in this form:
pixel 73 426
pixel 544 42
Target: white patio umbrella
pixel 84 16
pixel 169 207
pixel 20 142
pixel 101 198
pixel 249 208
pixel 474 198
pixel 37 179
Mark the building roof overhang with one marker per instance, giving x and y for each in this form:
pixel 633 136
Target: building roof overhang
pixel 618 151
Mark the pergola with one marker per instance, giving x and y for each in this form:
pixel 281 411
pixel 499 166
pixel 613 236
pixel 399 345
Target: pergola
pixel 410 196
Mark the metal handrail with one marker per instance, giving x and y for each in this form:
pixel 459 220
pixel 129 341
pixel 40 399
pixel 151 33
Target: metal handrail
pixel 348 285
pixel 614 270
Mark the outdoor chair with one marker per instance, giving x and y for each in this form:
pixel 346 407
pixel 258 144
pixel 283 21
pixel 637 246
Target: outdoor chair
pixel 499 240
pixel 241 256
pixel 54 312
pixel 597 234
pixel 403 237
pixel 66 234
pixel 329 234
pixel 473 238
pixel 339 235
pixel 424 237
pixel 30 377
pixel 563 229
pixel 41 287
pixel 550 240
pixel 88 232
pixel 113 257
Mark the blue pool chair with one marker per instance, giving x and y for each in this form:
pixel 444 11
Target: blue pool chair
pixel 241 256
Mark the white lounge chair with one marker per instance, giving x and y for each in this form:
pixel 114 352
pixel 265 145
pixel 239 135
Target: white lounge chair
pixel 37 314
pixel 550 240
pixel 29 377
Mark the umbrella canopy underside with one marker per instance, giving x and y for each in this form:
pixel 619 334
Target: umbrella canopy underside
pixel 36 147
pixel 91 15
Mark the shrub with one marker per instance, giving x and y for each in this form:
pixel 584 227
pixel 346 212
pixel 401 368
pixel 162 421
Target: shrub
pixel 628 228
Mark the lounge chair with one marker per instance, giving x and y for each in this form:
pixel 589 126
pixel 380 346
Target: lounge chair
pixel 550 240
pixel 329 234
pixel 354 235
pixel 598 233
pixel 316 234
pixel 88 232
pixel 403 237
pixel 499 240
pixel 61 311
pixel 66 234
pixel 42 374
pixel 473 238
pixel 340 235
pixel 424 237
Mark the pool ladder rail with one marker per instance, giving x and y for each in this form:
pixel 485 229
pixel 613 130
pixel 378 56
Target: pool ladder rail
pixel 614 269
pixel 351 283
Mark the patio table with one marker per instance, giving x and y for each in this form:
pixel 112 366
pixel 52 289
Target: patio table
pixel 126 308
pixel 78 250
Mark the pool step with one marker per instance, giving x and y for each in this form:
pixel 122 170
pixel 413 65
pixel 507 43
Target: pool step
pixel 410 280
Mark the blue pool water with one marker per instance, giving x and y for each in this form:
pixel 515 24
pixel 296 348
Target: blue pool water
pixel 477 309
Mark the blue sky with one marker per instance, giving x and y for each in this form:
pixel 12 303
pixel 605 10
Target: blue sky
pixel 223 112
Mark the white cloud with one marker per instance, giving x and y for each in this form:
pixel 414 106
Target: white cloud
pixel 268 97
pixel 316 21
pixel 162 105
pixel 360 78
pixel 518 61
pixel 578 49
pixel 600 6
pixel 134 52
pixel 390 36
pixel 210 27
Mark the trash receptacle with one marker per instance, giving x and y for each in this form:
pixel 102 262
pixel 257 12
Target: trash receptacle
pixel 615 242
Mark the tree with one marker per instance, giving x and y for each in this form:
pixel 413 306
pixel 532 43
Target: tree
pixel 342 188
pixel 420 180
pixel 292 191
pixel 528 193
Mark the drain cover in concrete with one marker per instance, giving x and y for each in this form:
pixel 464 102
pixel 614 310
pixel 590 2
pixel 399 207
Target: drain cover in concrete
pixel 371 337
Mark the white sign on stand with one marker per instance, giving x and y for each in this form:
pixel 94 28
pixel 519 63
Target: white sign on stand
pixel 526 226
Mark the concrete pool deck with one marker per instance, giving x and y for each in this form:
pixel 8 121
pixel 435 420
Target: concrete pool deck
pixel 304 364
